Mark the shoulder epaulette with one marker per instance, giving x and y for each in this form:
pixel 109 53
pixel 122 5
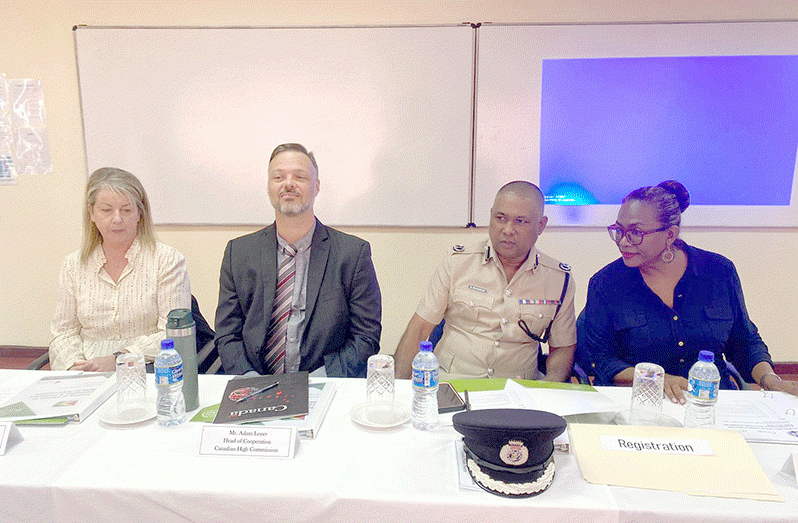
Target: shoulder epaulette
pixel 550 262
pixel 467 249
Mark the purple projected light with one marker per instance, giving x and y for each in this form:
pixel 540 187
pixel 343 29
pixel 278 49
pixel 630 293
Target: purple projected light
pixel 724 126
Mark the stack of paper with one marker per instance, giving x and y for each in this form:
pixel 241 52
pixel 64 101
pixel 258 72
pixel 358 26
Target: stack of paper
pixel 60 399
pixel 320 396
pixel 564 399
pixel 764 418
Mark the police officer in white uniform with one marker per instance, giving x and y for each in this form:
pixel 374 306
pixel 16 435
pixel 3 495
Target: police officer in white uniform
pixel 500 298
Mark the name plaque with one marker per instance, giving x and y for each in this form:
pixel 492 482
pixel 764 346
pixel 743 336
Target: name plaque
pixel 258 442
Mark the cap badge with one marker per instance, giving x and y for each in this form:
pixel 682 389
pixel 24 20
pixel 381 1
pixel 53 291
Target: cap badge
pixel 514 453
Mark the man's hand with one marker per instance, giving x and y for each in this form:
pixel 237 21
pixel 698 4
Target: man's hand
pixel 559 363
pixel 417 331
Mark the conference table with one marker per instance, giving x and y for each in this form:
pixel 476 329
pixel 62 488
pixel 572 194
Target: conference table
pixel 91 471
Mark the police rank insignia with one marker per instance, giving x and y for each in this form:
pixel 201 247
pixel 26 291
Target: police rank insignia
pixel 514 453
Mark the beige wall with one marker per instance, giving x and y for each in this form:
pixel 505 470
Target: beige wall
pixel 40 216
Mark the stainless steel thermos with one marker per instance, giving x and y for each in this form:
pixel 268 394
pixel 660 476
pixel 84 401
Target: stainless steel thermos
pixel 181 328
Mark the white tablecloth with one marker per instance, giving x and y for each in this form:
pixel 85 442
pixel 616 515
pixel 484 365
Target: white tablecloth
pixel 92 472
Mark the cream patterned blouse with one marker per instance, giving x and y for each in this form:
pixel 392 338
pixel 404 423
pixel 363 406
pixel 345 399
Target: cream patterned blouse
pixel 96 317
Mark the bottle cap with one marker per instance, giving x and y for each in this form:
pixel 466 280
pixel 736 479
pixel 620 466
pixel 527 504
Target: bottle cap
pixel 167 344
pixel 425 346
pixel 706 355
pixel 180 319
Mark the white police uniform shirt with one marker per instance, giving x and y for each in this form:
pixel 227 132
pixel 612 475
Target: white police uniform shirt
pixel 482 337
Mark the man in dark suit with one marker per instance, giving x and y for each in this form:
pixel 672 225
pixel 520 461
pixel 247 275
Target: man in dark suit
pixel 330 323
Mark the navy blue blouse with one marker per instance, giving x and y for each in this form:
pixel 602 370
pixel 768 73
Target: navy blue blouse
pixel 626 323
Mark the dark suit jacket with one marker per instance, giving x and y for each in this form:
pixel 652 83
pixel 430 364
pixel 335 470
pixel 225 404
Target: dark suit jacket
pixel 342 320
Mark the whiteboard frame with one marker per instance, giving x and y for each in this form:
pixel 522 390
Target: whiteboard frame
pixel 508 141
pixel 374 168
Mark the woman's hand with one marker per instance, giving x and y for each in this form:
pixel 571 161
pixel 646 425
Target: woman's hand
pixel 675 387
pixel 773 382
pixel 790 387
pixel 99 364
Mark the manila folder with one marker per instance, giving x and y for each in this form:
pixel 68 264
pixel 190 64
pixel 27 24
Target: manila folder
pixel 728 470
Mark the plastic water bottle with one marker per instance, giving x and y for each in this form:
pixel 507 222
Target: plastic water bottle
pixel 169 382
pixel 702 391
pixel 425 388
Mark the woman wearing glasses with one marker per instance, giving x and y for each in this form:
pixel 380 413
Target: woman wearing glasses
pixel 664 301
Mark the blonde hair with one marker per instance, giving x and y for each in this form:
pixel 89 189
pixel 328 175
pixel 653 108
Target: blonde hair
pixel 120 182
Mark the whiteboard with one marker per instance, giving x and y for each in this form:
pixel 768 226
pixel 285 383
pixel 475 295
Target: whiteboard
pixel 196 112
pixel 511 133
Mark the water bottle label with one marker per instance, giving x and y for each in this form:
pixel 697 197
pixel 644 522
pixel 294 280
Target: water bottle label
pixel 425 378
pixel 705 390
pixel 168 375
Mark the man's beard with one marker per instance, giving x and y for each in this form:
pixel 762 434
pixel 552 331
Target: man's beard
pixel 292 209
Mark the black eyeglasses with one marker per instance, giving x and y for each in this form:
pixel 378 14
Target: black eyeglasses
pixel 633 236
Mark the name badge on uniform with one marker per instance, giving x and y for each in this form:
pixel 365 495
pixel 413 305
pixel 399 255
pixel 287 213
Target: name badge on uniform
pixel 539 302
pixel 475 288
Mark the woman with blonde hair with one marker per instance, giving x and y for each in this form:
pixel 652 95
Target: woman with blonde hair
pixel 115 293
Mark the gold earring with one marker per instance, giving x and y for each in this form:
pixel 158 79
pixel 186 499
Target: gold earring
pixel 668 255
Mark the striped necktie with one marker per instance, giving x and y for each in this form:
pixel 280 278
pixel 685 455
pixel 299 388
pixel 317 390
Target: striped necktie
pixel 278 326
